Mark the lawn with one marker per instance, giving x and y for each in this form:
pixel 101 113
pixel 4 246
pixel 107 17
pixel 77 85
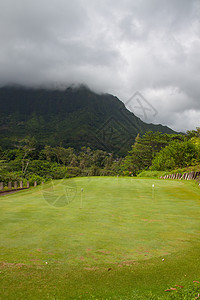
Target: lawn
pixel 100 238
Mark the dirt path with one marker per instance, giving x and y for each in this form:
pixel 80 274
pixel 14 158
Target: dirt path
pixel 2 193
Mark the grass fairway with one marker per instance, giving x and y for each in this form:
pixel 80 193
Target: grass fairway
pixel 125 241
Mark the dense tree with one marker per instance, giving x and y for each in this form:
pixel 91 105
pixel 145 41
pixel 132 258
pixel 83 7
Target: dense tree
pixel 26 146
pixel 176 155
pixel 48 152
pixel 85 157
pixel 193 133
pixel 145 149
pixel 154 151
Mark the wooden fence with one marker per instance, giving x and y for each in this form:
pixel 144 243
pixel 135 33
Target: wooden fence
pixel 185 176
pixel 15 185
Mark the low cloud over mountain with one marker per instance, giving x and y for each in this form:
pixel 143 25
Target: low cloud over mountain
pixel 120 47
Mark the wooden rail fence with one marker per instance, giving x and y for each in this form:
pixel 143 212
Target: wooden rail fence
pixel 185 176
pixel 10 186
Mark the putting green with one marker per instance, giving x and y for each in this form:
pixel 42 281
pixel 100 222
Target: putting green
pixel 98 223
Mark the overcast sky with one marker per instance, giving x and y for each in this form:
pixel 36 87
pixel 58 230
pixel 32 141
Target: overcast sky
pixel 114 46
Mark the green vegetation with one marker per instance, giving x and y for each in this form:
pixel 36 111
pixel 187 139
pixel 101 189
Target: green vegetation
pixel 151 155
pixel 69 118
pixel 86 237
pixel 27 163
pixel 176 155
pixel 146 148
pixel 111 248
pixel 163 152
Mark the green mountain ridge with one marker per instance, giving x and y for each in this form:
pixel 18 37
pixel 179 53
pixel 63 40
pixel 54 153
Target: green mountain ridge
pixel 74 117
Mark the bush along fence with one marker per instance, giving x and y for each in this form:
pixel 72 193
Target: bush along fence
pixel 185 176
pixel 11 186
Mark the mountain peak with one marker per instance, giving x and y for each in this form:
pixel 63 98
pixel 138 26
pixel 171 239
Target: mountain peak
pixel 73 117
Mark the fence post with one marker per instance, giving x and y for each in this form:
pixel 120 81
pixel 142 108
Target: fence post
pixel 21 184
pixel 15 184
pixel 35 183
pixel 9 185
pixel 28 185
pixel 1 185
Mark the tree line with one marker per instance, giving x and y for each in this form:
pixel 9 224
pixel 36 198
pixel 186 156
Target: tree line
pixel 152 151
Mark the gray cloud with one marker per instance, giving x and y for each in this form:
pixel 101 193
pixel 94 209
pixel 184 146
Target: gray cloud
pixel 113 46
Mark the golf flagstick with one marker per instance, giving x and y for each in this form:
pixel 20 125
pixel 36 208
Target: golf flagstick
pixel 81 204
pixel 153 192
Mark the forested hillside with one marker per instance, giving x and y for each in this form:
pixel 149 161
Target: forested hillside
pixel 70 118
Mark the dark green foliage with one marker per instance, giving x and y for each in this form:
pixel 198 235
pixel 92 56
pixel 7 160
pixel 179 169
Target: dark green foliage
pixel 30 164
pixel 152 151
pixel 145 149
pixel 176 155
pixel 69 118
pixel 193 133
